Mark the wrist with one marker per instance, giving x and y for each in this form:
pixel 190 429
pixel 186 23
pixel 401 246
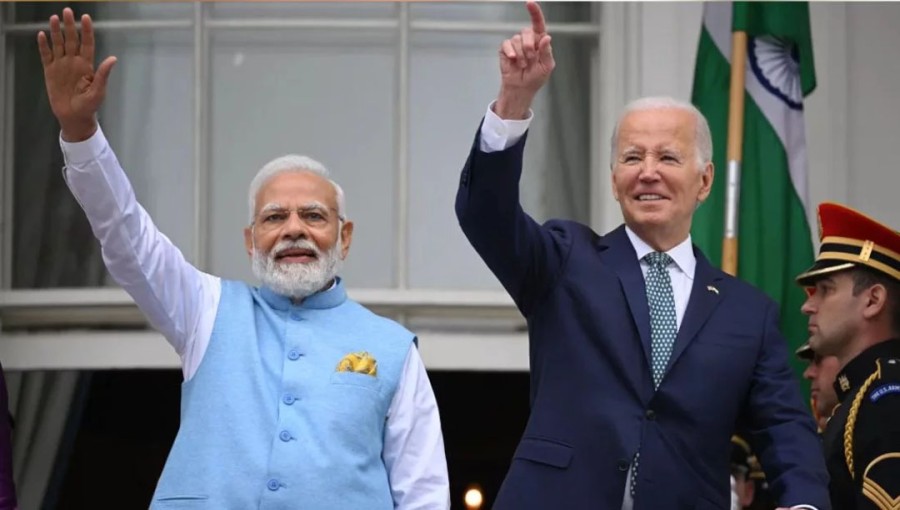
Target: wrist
pixel 78 130
pixel 513 105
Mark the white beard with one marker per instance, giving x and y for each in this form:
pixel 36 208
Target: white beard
pixel 297 280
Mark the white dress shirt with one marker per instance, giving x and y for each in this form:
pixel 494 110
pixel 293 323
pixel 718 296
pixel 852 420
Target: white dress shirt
pixel 181 302
pixel 498 134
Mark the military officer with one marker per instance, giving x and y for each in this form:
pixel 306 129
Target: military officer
pixel 854 315
pixel 821 373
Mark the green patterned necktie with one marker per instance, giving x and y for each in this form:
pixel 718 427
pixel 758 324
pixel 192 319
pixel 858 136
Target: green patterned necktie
pixel 663 325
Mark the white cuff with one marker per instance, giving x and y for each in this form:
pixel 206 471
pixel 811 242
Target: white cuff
pixel 498 134
pixel 78 153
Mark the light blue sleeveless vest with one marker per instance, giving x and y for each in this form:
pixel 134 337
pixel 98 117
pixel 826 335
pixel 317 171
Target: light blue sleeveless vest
pixel 268 423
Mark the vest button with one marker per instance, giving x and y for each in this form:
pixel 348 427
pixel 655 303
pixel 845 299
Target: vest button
pixel 293 355
pixel 285 436
pixel 288 399
pixel 273 485
pixel 622 465
pixel 650 414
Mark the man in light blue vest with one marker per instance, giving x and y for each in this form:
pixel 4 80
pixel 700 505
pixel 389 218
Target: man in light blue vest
pixel 295 397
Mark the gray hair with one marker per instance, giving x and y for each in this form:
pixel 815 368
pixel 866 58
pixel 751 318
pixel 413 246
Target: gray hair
pixel 292 163
pixel 703 138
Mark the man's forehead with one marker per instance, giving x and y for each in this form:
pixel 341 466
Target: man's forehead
pixel 834 278
pixel 658 118
pixel 298 186
pixel 636 129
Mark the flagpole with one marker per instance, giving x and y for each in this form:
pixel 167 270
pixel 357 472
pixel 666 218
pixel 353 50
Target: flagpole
pixel 735 151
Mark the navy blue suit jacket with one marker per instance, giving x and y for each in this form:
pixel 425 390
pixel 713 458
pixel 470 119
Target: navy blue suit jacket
pixel 592 398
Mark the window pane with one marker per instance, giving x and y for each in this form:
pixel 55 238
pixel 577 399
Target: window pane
pixel 52 243
pixel 363 10
pixel 324 95
pixel 102 11
pixel 555 12
pixel 140 10
pixel 446 112
pixel 147 118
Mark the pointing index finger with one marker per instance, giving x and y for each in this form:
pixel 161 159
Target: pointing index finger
pixel 537 18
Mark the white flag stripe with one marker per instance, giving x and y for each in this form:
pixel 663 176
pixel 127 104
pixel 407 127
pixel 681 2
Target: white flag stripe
pixel 787 123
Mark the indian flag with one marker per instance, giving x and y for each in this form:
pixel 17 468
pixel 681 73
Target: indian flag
pixel 774 241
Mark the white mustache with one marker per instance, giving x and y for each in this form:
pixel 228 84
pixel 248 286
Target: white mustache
pixel 300 244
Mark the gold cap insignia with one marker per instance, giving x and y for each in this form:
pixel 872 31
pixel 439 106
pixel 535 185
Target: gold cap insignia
pixel 359 362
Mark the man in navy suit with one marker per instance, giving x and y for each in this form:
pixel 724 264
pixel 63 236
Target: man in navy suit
pixel 643 356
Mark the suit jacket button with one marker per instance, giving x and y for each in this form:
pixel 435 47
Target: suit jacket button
pixel 650 414
pixel 622 465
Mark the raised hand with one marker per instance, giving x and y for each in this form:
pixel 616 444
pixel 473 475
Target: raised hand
pixel 74 88
pixel 526 61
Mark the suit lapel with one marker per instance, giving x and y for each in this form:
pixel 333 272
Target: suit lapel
pixel 705 297
pixel 619 254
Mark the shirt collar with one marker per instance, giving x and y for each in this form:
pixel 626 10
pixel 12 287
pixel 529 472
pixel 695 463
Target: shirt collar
pixel 682 254
pixel 334 296
pixel 855 373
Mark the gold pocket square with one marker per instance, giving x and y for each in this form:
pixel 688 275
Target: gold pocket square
pixel 359 362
